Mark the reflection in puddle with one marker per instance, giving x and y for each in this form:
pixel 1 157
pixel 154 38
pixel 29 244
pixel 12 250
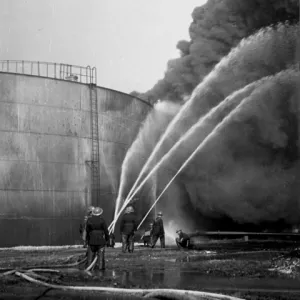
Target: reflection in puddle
pixel 178 277
pixel 143 277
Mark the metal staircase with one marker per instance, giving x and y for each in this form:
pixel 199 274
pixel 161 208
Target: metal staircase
pixel 95 156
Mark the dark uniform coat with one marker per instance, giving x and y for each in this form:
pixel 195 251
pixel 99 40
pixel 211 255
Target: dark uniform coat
pixel 128 224
pixel 97 232
pixel 183 237
pixel 158 227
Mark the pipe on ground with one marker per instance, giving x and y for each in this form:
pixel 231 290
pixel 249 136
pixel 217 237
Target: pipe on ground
pixel 92 264
pixel 166 293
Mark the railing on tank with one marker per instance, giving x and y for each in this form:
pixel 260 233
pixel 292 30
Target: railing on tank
pixel 67 72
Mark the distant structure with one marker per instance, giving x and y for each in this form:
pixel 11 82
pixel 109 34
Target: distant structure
pixel 63 141
pixel 72 77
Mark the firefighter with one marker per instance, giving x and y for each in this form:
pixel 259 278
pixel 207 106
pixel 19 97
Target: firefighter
pixel 158 231
pixel 97 238
pixel 183 240
pixel 147 236
pixel 82 228
pixel 128 226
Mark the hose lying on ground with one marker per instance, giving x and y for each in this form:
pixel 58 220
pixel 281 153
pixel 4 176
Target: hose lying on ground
pixel 8 273
pixel 180 294
pixel 33 274
pixel 37 276
pixel 92 264
pixel 47 267
pixel 44 270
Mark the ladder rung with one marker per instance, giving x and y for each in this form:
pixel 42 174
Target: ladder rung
pixel 95 165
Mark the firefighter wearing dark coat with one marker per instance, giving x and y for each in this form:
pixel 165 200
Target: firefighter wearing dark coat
pixel 97 237
pixel 82 228
pixel 127 228
pixel 183 239
pixel 158 231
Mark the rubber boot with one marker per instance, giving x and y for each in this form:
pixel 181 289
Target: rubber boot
pixel 154 240
pixel 162 242
pixel 124 243
pixel 90 256
pixel 101 259
pixel 131 244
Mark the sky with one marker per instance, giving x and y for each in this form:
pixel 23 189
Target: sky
pixel 128 41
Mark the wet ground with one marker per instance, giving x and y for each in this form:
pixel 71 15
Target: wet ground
pixel 237 268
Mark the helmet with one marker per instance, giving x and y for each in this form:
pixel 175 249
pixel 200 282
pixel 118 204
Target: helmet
pixel 160 214
pixel 129 209
pixel 90 210
pixel 97 211
pixel 179 230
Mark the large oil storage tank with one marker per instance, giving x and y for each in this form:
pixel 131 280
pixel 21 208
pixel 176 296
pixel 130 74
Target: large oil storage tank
pixel 46 149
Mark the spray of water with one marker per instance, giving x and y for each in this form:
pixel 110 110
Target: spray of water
pixel 275 48
pixel 159 118
pixel 197 133
pixel 266 53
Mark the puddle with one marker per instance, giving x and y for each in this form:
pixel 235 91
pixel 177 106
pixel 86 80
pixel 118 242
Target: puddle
pixel 176 277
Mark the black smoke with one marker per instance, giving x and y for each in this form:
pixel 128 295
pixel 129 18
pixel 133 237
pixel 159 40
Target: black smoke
pixel 244 118
pixel 217 27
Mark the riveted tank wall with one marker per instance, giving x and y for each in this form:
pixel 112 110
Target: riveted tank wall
pixel 45 143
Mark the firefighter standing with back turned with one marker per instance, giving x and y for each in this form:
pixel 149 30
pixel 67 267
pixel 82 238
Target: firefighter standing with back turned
pixel 158 231
pixel 97 237
pixel 128 226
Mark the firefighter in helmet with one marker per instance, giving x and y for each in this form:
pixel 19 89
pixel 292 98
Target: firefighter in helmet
pixel 128 226
pixel 183 239
pixel 97 238
pixel 158 231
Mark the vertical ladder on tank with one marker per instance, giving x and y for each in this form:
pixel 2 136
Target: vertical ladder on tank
pixel 95 163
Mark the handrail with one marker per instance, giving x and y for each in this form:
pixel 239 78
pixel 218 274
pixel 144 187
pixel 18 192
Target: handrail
pixel 61 71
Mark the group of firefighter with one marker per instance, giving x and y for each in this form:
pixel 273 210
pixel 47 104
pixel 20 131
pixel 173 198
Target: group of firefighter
pixel 96 237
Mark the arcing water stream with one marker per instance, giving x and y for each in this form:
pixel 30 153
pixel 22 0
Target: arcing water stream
pixel 249 62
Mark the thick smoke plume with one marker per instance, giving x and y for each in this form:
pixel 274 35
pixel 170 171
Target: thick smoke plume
pixel 247 167
pixel 245 116
pixel 217 27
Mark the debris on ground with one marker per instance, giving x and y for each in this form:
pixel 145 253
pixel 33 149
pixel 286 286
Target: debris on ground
pixel 288 263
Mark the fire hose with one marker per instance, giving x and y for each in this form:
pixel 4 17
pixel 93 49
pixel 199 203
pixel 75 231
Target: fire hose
pixel 90 267
pixel 146 293
pixel 30 274
pixel 46 267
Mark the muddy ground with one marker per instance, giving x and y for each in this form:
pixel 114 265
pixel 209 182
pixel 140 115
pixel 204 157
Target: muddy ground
pixel 235 268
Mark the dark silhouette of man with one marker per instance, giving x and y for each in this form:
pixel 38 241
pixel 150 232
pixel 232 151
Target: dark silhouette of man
pixel 183 239
pixel 97 238
pixel 128 226
pixel 158 231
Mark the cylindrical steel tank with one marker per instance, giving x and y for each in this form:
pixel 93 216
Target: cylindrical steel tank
pixel 45 146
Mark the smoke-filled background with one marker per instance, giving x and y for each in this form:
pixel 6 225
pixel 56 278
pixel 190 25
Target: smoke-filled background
pixel 237 83
pixel 217 27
